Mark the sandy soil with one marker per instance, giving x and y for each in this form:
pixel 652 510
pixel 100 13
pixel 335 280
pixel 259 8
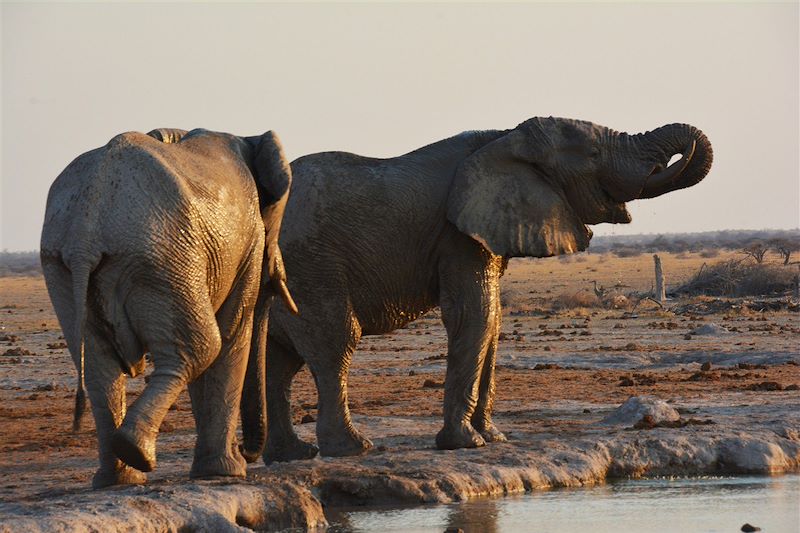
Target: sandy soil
pixel 559 373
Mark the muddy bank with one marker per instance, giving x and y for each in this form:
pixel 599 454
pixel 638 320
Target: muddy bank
pixel 405 469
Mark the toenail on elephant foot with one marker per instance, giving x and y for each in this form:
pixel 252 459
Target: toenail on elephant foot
pixel 122 475
pixel 463 436
pixel 490 433
pixel 296 450
pixel 352 445
pixel 218 466
pixel 134 449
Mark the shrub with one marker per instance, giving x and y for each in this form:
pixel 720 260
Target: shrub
pixel 739 278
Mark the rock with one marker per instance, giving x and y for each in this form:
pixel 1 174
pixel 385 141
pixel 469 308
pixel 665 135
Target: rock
pixel 766 386
pixel 687 337
pixel 626 382
pixel 793 386
pixel 751 366
pixel 547 366
pixel 17 352
pixel 705 367
pixel 432 384
pixel 307 419
pixel 412 373
pixel 637 407
pixel 709 329
pixel 748 528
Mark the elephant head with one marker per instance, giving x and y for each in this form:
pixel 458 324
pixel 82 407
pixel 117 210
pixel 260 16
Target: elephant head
pixel 532 191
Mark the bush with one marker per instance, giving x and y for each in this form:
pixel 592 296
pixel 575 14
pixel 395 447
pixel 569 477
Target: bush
pixel 709 253
pixel 738 277
pixel 573 300
pixel 627 251
pixel 20 264
pixel 516 302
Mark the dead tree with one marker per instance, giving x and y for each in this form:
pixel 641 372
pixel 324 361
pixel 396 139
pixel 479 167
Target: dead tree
pixel 756 250
pixel 661 290
pixel 785 247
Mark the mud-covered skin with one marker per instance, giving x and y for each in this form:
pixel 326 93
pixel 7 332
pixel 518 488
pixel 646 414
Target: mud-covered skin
pixel 371 244
pixel 155 243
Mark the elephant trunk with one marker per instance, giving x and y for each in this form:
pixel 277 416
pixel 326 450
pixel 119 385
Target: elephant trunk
pixel 659 146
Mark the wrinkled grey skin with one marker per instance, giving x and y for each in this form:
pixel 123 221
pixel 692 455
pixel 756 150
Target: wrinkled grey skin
pixel 155 243
pixel 371 244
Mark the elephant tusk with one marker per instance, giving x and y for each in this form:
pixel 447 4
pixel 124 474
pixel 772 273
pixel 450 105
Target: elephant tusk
pixel 661 182
pixel 283 290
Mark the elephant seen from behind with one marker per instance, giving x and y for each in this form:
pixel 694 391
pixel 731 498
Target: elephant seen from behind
pixel 371 244
pixel 163 243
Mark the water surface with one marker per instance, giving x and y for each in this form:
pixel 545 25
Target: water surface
pixel 717 504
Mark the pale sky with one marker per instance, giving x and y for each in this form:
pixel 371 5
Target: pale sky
pixel 383 79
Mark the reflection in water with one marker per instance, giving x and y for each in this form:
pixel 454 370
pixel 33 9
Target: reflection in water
pixel 481 517
pixel 691 504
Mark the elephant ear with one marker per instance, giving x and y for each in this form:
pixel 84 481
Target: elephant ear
pixel 502 199
pixel 273 173
pixel 274 179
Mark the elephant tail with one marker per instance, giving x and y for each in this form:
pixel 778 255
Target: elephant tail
pixel 80 288
pixel 254 392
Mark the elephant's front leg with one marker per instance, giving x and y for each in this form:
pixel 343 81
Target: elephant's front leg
pixel 469 288
pixel 482 417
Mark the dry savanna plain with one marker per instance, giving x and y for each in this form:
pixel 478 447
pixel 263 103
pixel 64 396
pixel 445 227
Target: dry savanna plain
pixel 711 385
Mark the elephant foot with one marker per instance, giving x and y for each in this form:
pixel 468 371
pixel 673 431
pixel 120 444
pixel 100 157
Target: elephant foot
pixel 121 475
pixel 133 449
pixel 218 466
pixel 295 450
pixel 350 444
pixel 462 436
pixel 490 433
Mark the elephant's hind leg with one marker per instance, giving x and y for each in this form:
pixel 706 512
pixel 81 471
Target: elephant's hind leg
pixel 283 444
pixel 182 346
pixel 216 393
pixel 106 387
pixel 104 379
pixel 336 434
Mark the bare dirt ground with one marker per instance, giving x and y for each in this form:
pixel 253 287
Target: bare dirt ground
pixel 729 367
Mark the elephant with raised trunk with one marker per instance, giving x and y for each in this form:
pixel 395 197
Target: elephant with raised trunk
pixel 155 243
pixel 371 244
